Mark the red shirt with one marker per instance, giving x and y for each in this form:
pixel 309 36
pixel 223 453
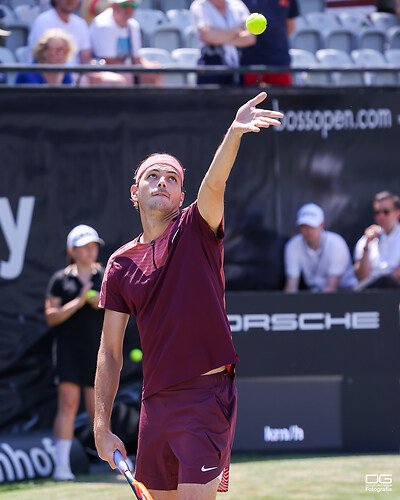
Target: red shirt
pixel 175 287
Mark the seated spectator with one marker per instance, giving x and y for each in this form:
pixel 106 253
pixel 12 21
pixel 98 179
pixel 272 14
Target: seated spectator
pixel 61 15
pixel 322 258
pixel 221 28
pixel 115 36
pixel 55 46
pixel 377 252
pixel 272 46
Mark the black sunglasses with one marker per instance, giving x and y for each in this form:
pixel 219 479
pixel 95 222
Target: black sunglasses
pixel 385 211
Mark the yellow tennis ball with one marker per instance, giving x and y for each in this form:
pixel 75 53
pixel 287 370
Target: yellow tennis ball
pixel 90 294
pixel 256 23
pixel 136 355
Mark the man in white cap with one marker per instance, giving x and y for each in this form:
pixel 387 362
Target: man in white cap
pixel 321 257
pixel 116 37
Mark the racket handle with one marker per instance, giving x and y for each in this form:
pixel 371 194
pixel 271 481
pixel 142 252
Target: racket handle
pixel 120 462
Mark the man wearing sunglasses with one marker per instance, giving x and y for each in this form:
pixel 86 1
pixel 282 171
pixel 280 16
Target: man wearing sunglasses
pixel 377 252
pixel 116 37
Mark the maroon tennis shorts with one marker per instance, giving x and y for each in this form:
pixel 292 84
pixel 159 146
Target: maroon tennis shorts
pixel 186 432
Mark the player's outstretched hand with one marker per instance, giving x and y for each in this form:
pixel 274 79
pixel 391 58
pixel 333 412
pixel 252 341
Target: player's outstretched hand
pixel 249 118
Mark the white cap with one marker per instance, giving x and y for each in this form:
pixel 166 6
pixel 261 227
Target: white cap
pixel 82 235
pixel 311 215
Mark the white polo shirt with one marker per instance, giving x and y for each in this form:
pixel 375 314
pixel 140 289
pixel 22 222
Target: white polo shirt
pixel 383 252
pixel 332 258
pixel 205 14
pixel 76 27
pixel 111 40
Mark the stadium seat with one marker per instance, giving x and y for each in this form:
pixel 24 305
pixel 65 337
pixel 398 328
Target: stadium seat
pixel 18 36
pixel 149 20
pixel 393 37
pixel 166 5
pixel 15 3
pixel 392 56
pixel 181 18
pixel 322 21
pixel 22 54
pixel 7 57
pixel 27 14
pixel 7 15
pixel 156 55
pixel 165 59
pixel 145 4
pixel 190 37
pixel 306 6
pixel 304 60
pixel 166 37
pixel 369 58
pixel 333 58
pixel 187 57
pixel 355 21
pixel 384 20
pixel 340 39
pixel 372 38
pixel 300 23
pixel 307 39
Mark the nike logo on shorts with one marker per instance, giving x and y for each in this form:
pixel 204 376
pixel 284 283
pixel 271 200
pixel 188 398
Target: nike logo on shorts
pixel 206 469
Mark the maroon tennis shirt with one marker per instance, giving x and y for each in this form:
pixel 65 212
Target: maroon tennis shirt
pixel 175 287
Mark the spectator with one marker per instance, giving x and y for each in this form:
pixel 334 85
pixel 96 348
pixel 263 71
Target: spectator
pixel 55 46
pixel 115 36
pixel 377 252
pixel 321 257
pixel 272 46
pixel 221 28
pixel 61 15
pixel 72 309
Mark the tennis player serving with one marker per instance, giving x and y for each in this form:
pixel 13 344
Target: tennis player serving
pixel 171 278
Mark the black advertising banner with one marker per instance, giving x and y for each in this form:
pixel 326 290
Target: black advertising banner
pixel 68 155
pixel 317 371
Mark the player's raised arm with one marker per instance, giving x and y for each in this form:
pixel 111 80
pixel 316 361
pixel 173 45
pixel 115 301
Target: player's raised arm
pixel 249 118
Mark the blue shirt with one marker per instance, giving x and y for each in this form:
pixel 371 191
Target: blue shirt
pixel 272 46
pixel 38 78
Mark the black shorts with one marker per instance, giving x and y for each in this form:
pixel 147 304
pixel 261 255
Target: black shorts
pixel 75 362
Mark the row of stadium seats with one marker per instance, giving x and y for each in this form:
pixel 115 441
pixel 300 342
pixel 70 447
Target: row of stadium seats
pixel 386 67
pixel 346 31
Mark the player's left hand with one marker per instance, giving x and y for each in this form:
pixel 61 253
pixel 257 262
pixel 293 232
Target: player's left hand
pixel 252 119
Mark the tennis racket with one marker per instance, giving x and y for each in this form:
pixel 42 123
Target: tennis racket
pixel 139 489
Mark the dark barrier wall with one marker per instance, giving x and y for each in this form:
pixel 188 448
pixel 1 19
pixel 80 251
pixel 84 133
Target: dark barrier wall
pixel 317 371
pixel 67 157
